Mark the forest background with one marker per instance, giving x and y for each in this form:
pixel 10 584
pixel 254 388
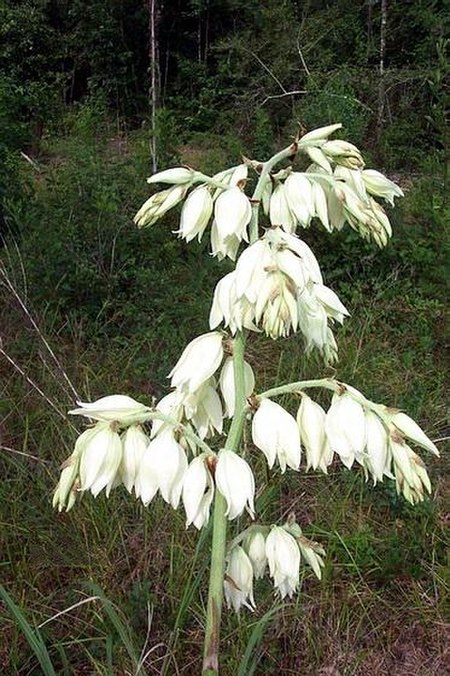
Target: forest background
pixel 94 94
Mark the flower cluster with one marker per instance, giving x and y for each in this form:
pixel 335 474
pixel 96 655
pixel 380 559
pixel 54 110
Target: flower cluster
pixel 355 429
pixel 281 549
pixel 277 284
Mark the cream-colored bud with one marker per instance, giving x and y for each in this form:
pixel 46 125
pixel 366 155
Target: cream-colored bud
pixel 175 176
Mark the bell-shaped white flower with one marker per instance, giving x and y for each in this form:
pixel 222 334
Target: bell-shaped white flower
pixel 279 211
pixel 299 197
pixel 276 434
pixel 377 184
pixel 100 458
pixel 311 421
pixel 232 213
pixel 170 406
pixel 227 384
pixel 198 362
pixel 238 582
pixel 134 443
pixel 162 467
pixel 235 480
pixel 195 214
pixel 204 409
pixel 175 176
pixel 255 546
pixel 345 426
pixel 283 557
pixel 377 460
pixel 409 428
pixel 116 407
pixel 198 492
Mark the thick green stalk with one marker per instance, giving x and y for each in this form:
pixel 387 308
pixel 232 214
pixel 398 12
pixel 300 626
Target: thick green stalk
pixel 218 546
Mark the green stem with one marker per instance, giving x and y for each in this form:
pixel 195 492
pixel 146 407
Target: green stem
pixel 218 545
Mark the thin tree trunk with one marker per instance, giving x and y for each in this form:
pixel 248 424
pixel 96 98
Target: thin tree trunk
pixel 154 77
pixel 381 82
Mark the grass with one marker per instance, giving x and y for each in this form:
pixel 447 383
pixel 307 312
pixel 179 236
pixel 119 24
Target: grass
pixel 113 588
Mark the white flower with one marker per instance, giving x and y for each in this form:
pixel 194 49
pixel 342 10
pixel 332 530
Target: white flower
pixel 255 546
pixel 100 456
pixel 378 459
pixel 134 442
pixel 410 473
pixel 198 492
pixel 162 467
pixel 279 211
pixel 227 384
pixel 311 421
pixel 175 176
pixel 320 205
pixel 377 184
pixel 223 247
pixel 64 496
pixel 116 407
pixel 204 409
pixel 345 426
pixel 283 556
pixel 234 479
pixel 158 204
pixel 232 213
pixel 195 214
pixel 299 197
pixel 170 406
pixel 238 582
pixel 275 433
pixel 409 428
pixel 199 361
pixel 312 553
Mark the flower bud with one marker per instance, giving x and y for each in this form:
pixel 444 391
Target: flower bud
pixel 311 421
pixel 158 204
pixel 175 176
pixel 116 407
pixel 320 134
pixel 411 429
pixel 377 184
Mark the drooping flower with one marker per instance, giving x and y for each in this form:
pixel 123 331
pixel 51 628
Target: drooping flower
pixel 311 421
pixel 198 362
pixel 198 492
pixel 255 547
pixel 345 427
pixel 195 214
pixel 232 214
pixel 275 432
pixel 299 197
pixel 134 443
pixel 234 479
pixel 100 451
pixel 227 386
pixel 238 582
pixel 377 184
pixel 162 468
pixel 283 556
